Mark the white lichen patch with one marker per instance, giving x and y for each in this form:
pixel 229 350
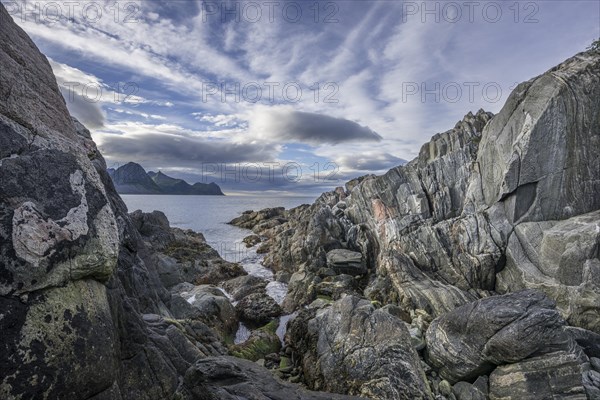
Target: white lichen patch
pixel 34 237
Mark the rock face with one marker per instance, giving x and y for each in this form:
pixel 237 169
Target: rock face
pixel 132 178
pixel 84 312
pixel 496 205
pixel 471 340
pixel 350 347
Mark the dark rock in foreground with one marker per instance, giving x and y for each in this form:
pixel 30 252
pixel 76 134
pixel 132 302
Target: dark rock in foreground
pixel 350 347
pixel 229 378
pixel 473 339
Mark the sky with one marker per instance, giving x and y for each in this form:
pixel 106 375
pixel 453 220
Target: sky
pixel 291 97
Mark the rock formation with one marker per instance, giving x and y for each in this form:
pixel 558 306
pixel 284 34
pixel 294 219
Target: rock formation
pixel 488 243
pixel 469 273
pixel 85 311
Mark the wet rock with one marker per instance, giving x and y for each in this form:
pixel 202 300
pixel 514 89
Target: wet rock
pixel 258 309
pixel 242 286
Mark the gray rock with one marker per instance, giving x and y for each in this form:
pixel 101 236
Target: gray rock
pixel 258 309
pixel 473 339
pixel 346 262
pixel 548 376
pixel 229 378
pixel 595 363
pixel 334 287
pixel 242 286
pixel 350 347
pixel 214 308
pixel 475 391
pixel 588 340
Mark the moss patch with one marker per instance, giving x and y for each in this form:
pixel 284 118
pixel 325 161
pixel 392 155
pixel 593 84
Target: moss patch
pixel 263 341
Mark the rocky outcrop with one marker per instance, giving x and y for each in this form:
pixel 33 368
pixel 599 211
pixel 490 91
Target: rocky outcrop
pixel 182 255
pixel 496 205
pixel 258 221
pixel 350 347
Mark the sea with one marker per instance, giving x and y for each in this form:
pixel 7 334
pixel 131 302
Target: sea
pixel 209 215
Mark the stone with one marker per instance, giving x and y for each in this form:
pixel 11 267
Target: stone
pixel 251 240
pixel 258 309
pixel 473 339
pixel 346 262
pixel 242 286
pixel 475 391
pixel 261 344
pixel 552 375
pixel 214 308
pixel 336 355
pixel 230 378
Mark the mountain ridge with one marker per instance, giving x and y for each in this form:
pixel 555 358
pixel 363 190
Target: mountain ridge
pixel 132 178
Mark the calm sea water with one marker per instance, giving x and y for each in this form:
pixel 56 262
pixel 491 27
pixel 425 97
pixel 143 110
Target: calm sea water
pixel 210 214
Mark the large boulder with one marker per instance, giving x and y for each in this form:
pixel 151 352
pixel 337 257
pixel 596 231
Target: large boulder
pixel 214 308
pixel 562 259
pixel 350 347
pixel 258 308
pixel 473 339
pixel 230 378
pixel 242 286
pixel 557 375
pixel 346 262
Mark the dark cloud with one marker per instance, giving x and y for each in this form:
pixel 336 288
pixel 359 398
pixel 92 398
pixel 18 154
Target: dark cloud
pixel 180 151
pixel 305 127
pixel 370 162
pixel 88 113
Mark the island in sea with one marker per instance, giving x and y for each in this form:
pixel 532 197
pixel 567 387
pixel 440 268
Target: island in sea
pixel 132 178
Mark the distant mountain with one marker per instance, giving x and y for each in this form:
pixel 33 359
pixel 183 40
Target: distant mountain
pixel 131 178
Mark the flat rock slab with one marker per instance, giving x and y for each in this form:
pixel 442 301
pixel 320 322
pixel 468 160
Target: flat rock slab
pixel 346 262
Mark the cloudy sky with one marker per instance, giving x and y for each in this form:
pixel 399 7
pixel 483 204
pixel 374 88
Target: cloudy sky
pixel 287 97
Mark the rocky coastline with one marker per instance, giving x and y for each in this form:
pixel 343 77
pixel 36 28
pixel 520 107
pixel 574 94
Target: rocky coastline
pixel 483 253
pixel 471 272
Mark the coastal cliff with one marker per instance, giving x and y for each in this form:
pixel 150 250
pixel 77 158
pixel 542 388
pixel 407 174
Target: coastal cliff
pixel 469 273
pixel 486 247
